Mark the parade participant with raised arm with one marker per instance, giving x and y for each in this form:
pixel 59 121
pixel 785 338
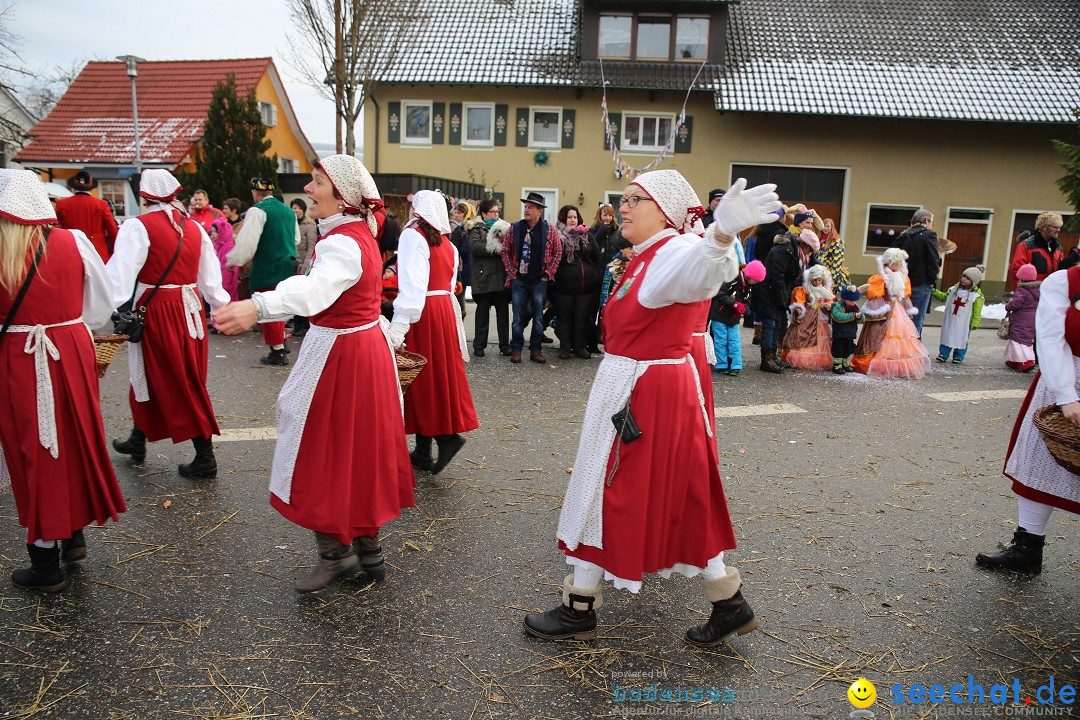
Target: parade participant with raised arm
pixel 645 494
pixel 164 257
pixel 341 465
pixel 53 285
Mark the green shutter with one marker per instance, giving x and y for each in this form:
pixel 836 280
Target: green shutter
pixel 615 119
pixel 438 123
pixel 502 124
pixel 568 128
pixel 456 120
pixel 521 128
pixel 682 140
pixel 393 122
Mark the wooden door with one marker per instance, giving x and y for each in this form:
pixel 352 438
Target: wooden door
pixel 970 239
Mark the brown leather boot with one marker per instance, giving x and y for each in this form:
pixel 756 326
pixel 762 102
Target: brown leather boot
pixel 369 551
pixel 335 560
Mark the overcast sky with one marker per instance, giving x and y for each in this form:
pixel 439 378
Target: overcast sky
pixel 62 32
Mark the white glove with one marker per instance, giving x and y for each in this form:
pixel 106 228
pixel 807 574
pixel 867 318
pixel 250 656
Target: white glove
pixel 741 208
pixel 398 331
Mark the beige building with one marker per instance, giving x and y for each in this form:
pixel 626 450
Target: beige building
pixel 865 127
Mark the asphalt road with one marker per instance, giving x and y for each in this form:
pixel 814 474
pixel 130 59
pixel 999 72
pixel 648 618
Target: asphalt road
pixel 858 516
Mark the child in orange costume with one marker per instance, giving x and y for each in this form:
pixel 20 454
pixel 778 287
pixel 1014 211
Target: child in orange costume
pixel 889 344
pixel 808 340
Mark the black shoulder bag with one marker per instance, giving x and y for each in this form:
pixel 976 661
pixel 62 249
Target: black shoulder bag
pixel 131 322
pixel 25 286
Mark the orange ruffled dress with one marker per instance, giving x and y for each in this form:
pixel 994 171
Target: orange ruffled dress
pixel 808 343
pixel 889 348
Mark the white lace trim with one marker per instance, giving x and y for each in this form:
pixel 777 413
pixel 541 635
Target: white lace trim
pixel 462 344
pixel 710 352
pixel 42 348
pixel 192 314
pixel 5 474
pixel 581 520
pixel 713 569
pixel 294 400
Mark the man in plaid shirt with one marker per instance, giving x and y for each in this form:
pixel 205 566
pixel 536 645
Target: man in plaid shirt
pixel 531 253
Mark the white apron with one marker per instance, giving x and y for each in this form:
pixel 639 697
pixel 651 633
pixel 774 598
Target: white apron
pixel 294 400
pixel 192 313
pixel 581 520
pixel 464 346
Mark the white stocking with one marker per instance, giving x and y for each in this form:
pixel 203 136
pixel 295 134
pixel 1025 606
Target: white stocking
pixel 1033 516
pixel 45 544
pixel 715 568
pixel 587 576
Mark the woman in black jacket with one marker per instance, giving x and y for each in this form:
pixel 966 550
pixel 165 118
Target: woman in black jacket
pixel 790 255
pixel 575 292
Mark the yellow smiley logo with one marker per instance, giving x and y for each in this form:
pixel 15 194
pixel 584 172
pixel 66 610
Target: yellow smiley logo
pixel 862 693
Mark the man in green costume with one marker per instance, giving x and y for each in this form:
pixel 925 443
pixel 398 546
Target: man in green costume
pixel 268 239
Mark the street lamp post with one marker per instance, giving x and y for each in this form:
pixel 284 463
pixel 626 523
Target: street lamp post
pixel 133 72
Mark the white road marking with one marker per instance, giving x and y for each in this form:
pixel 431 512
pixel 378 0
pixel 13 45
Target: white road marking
pixel 749 410
pixel 243 434
pixel 978 395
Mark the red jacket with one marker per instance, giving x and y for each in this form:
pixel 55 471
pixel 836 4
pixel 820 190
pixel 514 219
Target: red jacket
pixel 206 217
pixel 91 215
pixel 1045 255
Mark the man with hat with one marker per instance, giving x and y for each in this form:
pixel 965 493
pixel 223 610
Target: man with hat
pixel 83 211
pixel 268 240
pixel 715 196
pixel 531 253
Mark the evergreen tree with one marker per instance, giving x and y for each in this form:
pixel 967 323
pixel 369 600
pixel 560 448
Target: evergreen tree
pixel 1069 184
pixel 233 148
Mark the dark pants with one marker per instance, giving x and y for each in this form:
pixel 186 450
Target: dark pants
pixel 770 331
pixel 500 300
pixel 920 298
pixel 528 300
pixel 575 326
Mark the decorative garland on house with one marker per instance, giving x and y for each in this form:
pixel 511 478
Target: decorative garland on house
pixel 623 168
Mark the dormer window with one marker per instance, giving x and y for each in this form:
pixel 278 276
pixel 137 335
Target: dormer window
pixel 651 36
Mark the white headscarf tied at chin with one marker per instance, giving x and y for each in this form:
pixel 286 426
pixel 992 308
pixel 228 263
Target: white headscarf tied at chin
pixel 355 185
pixel 675 198
pixel 431 206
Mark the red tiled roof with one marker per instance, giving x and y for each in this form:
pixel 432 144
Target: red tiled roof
pixel 92 122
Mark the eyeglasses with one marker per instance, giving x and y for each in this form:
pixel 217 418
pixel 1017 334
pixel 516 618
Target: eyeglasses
pixel 633 200
pixel 1054 227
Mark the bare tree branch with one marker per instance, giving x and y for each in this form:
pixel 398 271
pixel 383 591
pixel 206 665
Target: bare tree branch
pixel 373 32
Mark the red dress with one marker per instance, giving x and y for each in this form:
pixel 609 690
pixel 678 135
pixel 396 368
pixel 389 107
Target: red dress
pixel 352 470
pixel 179 404
pixel 439 401
pixel 93 216
pixel 665 504
pixel 704 369
pixel 55 496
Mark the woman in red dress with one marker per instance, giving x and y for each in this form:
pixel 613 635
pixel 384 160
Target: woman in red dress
pixel 52 441
pixel 438 404
pixel 652 501
pixel 341 465
pixel 168 395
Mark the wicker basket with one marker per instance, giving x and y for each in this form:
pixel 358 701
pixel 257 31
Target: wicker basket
pixel 1061 435
pixel 409 365
pixel 105 348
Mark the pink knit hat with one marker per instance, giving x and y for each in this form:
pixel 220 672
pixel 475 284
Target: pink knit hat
pixel 755 270
pixel 1027 273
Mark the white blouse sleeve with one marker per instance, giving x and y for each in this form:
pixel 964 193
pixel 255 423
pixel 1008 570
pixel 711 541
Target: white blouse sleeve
pixel 414 268
pixel 208 279
pixel 687 269
pixel 1055 355
pixel 98 290
pixel 129 255
pixel 247 240
pixel 337 268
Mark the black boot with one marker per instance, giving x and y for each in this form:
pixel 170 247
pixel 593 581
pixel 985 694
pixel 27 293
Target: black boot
pixel 74 548
pixel 733 615
pixel 369 551
pixel 1023 554
pixel 205 464
pixel 573 619
pixel 448 448
pixel 768 362
pixel 421 456
pixel 276 357
pixel 44 571
pixel 135 445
